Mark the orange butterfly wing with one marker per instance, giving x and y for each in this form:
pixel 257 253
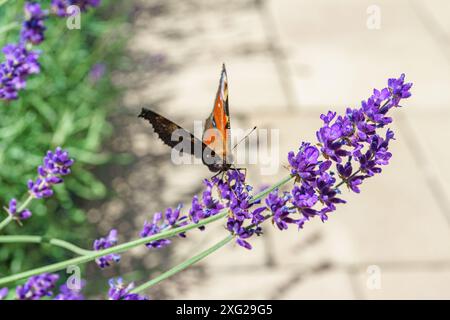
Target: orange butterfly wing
pixel 216 133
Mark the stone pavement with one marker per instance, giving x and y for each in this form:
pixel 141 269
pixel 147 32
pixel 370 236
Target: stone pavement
pixel 287 62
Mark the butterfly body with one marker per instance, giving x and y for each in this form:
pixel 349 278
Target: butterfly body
pixel 215 145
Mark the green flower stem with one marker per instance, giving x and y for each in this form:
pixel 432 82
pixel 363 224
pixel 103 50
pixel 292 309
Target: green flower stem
pixel 265 192
pixel 134 243
pixel 185 264
pixel 40 240
pixel 189 262
pixel 116 249
pixel 348 179
pixel 5 221
pixel 24 205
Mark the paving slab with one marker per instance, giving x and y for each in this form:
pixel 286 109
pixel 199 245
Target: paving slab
pixel 430 134
pixel 192 90
pixel 329 284
pixel 439 15
pixel 272 283
pixel 195 39
pixel 407 284
pixel 337 60
pixel 235 285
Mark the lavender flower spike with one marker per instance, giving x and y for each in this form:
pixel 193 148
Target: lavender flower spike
pixel 55 165
pixel 37 287
pixel 12 210
pixel 120 291
pixel 171 219
pixel 65 293
pixel 33 26
pixel 104 243
pixel 353 144
pixel 18 65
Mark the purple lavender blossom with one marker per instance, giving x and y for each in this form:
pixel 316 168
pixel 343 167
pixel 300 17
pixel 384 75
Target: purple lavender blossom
pixel 345 173
pixel 18 65
pixel 207 207
pixel 33 27
pixel 104 243
pixel 3 293
pixel 97 72
pixel 85 4
pixel 152 228
pixel 236 193
pixel 12 210
pixel 352 137
pixel 118 290
pixel 171 219
pixel 373 111
pixel 304 198
pixel 242 233
pixel 329 137
pixel 65 293
pixel 327 193
pixel 59 7
pixel 399 89
pixel 37 287
pixel 305 164
pixel 173 216
pixel 281 212
pixel 55 165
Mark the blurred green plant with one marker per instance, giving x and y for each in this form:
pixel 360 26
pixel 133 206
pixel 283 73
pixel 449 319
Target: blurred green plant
pixel 64 106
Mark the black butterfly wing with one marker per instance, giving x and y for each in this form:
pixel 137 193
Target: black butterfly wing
pixel 165 130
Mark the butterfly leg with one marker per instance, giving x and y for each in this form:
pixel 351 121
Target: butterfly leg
pixel 214 176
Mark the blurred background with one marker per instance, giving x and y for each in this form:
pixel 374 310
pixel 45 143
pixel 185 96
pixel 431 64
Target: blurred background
pixel 287 62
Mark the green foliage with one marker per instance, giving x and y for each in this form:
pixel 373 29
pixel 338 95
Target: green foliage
pixel 61 106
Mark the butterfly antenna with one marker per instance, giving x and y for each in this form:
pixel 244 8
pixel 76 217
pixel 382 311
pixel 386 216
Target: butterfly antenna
pixel 246 136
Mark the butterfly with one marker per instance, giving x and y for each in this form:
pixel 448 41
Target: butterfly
pixel 215 145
